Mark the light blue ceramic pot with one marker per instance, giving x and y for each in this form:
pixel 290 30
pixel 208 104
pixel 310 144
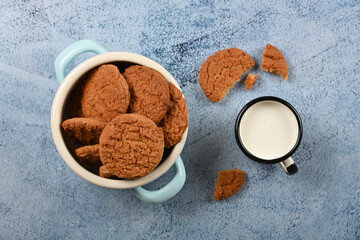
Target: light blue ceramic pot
pixel 67 83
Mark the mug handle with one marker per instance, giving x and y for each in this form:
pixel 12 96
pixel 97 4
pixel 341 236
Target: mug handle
pixel 289 166
pixel 72 51
pixel 166 192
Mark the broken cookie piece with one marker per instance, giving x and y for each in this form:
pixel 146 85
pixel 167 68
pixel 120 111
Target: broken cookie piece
pixel 220 72
pixel 83 130
pixel 274 62
pixel 250 81
pixel 228 183
pixel 88 154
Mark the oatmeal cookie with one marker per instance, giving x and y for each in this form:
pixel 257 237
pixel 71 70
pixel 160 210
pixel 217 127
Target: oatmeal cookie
pixel 149 90
pixel 131 146
pixel 220 72
pixel 105 94
pixel 176 119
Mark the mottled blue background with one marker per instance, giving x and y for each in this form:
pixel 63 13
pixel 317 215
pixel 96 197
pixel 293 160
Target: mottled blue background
pixel 40 197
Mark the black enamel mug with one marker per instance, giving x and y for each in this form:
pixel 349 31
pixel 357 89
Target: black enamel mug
pixel 269 130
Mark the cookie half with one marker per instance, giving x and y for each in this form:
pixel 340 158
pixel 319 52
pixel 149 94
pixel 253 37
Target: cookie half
pixel 131 146
pixel 274 62
pixel 220 72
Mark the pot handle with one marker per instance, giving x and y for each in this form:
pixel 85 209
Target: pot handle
pixel 72 51
pixel 166 192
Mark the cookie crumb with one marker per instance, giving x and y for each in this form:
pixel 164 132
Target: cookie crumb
pixel 228 183
pixel 274 62
pixel 250 81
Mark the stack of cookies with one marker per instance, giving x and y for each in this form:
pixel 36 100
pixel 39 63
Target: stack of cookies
pixel 125 120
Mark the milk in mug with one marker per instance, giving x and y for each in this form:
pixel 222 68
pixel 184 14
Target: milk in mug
pixel 269 130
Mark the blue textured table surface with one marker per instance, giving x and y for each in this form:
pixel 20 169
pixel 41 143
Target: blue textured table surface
pixel 40 197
